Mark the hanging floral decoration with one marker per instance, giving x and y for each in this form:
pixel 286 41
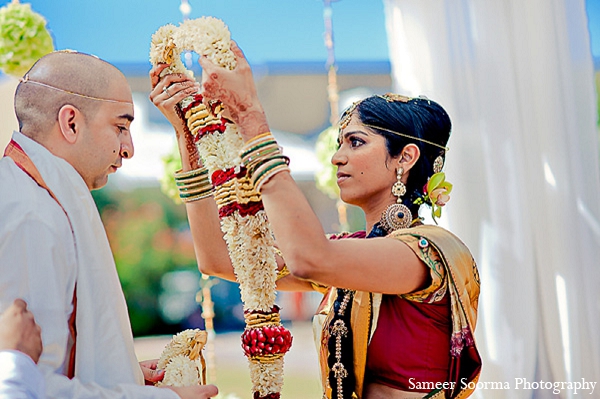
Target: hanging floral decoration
pixel 171 164
pixel 182 359
pixel 325 147
pixel 243 220
pixel 24 38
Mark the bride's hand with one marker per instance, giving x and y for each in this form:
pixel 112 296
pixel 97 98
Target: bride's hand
pixel 237 91
pixel 170 90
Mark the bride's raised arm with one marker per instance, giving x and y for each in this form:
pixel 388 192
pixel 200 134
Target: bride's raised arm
pixel 210 247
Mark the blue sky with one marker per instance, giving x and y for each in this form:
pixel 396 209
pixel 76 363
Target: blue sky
pixel 267 30
pixel 593 11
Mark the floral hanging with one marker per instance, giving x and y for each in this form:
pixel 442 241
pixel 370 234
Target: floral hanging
pixel 24 38
pixel 243 220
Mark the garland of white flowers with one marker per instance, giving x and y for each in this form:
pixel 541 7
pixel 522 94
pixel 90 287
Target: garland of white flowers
pixel 243 221
pixel 182 359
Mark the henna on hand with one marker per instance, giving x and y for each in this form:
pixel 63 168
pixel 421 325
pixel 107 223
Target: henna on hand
pixel 187 140
pixel 170 90
pixel 178 86
pixel 237 91
pixel 246 113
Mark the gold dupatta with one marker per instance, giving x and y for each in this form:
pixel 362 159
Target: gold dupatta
pixel 463 286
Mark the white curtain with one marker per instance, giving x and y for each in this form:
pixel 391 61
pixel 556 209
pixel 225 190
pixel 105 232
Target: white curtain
pixel 516 77
pixel 8 120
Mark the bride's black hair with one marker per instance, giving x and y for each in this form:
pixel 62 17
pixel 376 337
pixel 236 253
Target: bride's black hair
pixel 418 121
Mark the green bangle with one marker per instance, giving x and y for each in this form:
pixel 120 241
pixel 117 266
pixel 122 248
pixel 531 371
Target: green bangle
pixel 190 173
pixel 256 178
pixel 196 181
pixel 197 197
pixel 267 176
pixel 262 159
pixel 247 151
pixel 195 192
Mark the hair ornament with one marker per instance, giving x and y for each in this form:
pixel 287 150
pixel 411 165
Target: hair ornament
pixel 436 193
pixel 424 97
pixel 408 136
pixel 71 51
pixel 345 121
pixel 392 97
pixel 438 164
pixel 25 79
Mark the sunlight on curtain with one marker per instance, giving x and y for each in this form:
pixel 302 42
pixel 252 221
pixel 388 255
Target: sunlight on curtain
pixel 8 120
pixel 517 80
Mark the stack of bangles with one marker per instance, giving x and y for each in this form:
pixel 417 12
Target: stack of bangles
pixel 263 159
pixel 193 185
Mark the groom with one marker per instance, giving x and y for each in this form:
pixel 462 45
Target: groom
pixel 74 112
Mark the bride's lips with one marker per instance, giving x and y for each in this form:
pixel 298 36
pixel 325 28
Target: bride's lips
pixel 341 177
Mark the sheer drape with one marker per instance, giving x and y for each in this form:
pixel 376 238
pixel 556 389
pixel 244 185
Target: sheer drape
pixel 517 80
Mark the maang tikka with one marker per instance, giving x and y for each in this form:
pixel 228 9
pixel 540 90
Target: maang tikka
pixel 397 216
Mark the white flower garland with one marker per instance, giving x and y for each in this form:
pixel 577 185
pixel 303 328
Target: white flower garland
pixel 221 151
pixel 249 238
pixel 182 359
pixel 163 50
pixel 181 371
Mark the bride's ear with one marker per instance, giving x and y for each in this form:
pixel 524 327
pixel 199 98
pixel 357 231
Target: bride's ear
pixel 409 156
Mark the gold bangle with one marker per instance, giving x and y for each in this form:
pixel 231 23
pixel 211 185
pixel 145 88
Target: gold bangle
pixel 180 174
pixel 282 273
pixel 258 138
pixel 278 252
pixel 266 173
pixel 284 270
pixel 193 185
pixel 248 151
pixel 192 179
pixel 319 287
pixel 197 197
pixel 262 153
pixel 191 193
pixel 263 159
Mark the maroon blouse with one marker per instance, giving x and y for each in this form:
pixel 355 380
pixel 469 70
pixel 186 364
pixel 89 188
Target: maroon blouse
pixel 411 344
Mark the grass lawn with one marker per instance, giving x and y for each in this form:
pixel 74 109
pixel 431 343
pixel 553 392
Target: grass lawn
pixel 230 367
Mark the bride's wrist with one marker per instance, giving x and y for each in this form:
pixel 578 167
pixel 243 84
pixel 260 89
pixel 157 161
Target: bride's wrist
pixel 190 157
pixel 252 123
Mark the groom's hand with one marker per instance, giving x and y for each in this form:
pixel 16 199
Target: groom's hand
pixel 151 374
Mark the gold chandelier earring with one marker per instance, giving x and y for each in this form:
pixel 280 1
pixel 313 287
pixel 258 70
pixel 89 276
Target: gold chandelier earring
pixel 397 216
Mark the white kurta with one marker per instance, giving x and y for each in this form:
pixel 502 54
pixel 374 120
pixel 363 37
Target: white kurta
pixel 41 259
pixel 19 377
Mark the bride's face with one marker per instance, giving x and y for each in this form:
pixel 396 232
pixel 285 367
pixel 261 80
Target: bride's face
pixel 366 172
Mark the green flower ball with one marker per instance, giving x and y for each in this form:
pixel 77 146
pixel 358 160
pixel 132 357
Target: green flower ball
pixel 171 163
pixel 326 178
pixel 24 38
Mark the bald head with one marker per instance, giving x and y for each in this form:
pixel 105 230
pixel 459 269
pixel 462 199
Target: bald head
pixel 51 82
